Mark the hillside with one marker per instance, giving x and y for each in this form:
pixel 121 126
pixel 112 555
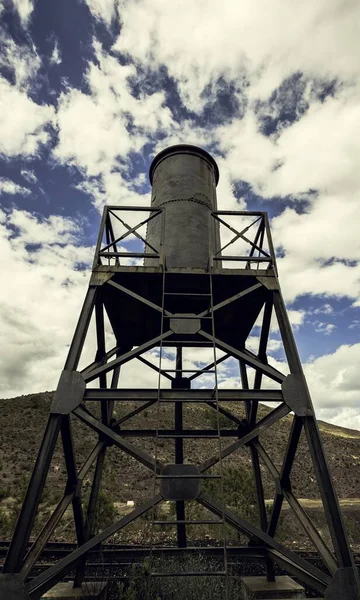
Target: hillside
pixel 24 418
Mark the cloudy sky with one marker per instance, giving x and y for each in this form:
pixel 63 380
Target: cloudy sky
pixel 90 90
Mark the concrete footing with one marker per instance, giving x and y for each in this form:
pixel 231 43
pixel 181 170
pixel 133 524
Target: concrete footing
pixel 258 588
pixel 94 590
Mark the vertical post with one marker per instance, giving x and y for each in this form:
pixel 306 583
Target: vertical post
pixel 27 514
pixel 69 453
pixel 162 259
pixel 38 478
pixel 179 452
pixel 260 499
pixel 270 242
pixel 290 453
pixel 106 413
pixel 78 340
pixel 322 471
pixel 260 232
pixel 97 260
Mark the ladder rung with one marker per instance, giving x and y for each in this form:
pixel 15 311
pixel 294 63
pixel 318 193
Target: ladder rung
pixel 188 574
pixel 190 522
pixel 194 400
pixel 184 294
pixel 201 435
pixel 185 317
pixel 187 371
pixel 192 476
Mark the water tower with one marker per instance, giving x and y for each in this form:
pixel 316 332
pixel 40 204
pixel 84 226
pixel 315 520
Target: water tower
pixel 203 284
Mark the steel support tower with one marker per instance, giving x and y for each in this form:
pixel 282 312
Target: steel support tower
pixel 182 291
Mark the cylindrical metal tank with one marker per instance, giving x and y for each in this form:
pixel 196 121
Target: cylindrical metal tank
pixel 184 180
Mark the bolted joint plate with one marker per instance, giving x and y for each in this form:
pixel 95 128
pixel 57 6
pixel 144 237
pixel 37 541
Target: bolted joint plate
pixel 185 326
pixel 296 396
pixel 12 587
pixel 98 278
pixel 69 393
pixel 177 488
pixel 271 282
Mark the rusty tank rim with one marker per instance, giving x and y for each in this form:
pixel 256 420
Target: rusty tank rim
pixel 183 149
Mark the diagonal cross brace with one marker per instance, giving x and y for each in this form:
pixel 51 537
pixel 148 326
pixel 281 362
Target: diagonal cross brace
pixel 241 234
pixel 143 457
pixel 320 579
pixel 138 297
pixel 299 512
pixel 132 230
pixel 267 421
pixel 231 299
pixel 120 360
pixel 43 582
pixel 247 357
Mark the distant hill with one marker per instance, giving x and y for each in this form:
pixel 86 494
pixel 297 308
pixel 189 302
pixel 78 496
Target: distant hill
pixel 23 420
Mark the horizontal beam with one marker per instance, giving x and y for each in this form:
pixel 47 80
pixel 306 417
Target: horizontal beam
pixel 127 254
pixel 181 433
pixel 240 213
pixel 244 258
pixel 114 207
pixel 202 395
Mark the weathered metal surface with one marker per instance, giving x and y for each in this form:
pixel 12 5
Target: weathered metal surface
pixel 180 488
pixel 12 588
pixel 184 182
pixel 183 326
pixel 344 586
pixel 69 393
pixel 148 307
pixel 295 396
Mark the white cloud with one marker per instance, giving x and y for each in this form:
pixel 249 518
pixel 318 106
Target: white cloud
pixel 103 9
pixel 318 247
pixel 325 309
pixel 25 9
pixel 296 317
pixel 325 328
pixel 36 329
pixel 29 175
pixel 319 151
pixel 23 61
pixel 222 40
pixel 55 58
pixel 334 380
pixel 94 128
pixel 10 187
pixel 22 122
pixel 344 417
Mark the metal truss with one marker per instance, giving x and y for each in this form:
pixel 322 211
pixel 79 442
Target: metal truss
pixel 228 291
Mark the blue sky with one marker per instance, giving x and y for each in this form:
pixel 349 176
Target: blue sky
pixel 91 90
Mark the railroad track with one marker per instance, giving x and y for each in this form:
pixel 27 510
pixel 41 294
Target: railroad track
pixel 121 554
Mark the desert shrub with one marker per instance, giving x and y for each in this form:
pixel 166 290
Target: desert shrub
pixel 105 513
pixel 224 422
pixel 141 584
pixel 239 490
